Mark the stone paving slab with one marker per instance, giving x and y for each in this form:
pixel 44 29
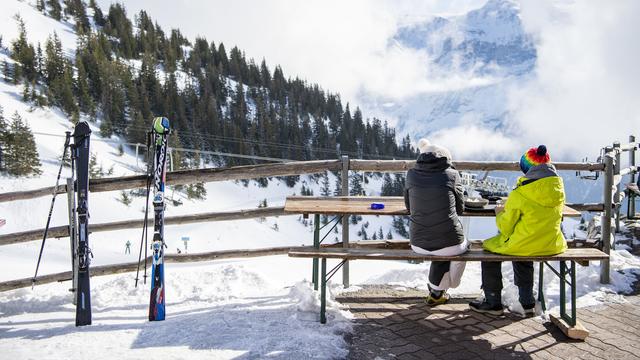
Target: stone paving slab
pixel 393 324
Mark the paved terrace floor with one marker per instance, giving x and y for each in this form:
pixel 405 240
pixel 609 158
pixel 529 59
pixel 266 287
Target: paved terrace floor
pixel 391 324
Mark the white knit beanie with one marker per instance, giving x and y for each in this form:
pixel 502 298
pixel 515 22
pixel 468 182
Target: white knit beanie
pixel 439 151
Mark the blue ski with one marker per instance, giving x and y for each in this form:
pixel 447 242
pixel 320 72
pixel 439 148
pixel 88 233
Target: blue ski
pixel 160 132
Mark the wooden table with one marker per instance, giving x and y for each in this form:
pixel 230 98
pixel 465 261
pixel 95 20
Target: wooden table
pixel 361 205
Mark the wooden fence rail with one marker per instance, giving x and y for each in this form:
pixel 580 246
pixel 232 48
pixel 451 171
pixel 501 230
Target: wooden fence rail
pixel 132 266
pixel 404 165
pixel 63 231
pixel 183 177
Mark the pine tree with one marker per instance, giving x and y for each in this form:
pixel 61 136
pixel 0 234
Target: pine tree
pixel 56 9
pixel 355 186
pixel 23 52
pixel 40 6
pixel 6 71
pixel 387 185
pixel 4 133
pixel 98 17
pixel 22 157
pixel 85 101
pixel 325 190
pixel 26 92
pixel 399 226
pixel 338 189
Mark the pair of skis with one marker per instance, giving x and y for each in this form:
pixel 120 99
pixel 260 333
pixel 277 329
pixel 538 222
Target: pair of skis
pixel 79 221
pixel 158 141
pixel 79 227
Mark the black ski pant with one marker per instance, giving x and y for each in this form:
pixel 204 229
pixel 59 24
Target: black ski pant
pixel 523 279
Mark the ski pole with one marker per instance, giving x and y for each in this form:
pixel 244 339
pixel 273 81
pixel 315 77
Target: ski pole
pixel 53 201
pixel 145 227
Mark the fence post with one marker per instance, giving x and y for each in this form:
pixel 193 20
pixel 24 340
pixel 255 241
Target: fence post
pixel 616 196
pixel 605 223
pixel 71 205
pixel 631 205
pixel 345 218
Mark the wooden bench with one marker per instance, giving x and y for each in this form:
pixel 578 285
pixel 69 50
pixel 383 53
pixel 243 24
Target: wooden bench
pixel 567 268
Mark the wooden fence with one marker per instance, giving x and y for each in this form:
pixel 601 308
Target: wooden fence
pixel 240 173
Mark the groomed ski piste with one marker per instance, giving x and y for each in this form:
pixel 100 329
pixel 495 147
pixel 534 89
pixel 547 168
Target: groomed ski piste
pixel 251 308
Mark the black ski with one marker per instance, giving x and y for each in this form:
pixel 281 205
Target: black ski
pixel 80 157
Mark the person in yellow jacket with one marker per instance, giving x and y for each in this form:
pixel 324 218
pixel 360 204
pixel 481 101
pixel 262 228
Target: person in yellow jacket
pixel 528 225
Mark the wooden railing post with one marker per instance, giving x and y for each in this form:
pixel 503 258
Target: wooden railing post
pixel 605 223
pixel 616 196
pixel 345 218
pixel 631 205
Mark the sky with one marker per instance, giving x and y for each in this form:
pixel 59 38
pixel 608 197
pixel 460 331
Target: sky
pixel 586 75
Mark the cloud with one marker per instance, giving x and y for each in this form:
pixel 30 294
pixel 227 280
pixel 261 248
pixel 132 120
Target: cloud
pixel 471 141
pixel 585 93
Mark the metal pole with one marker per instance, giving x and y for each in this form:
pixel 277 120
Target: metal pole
pixel 631 205
pixel 316 244
pixel 605 222
pixel 616 196
pixel 137 165
pixel 345 218
pixel 71 206
pixel 323 292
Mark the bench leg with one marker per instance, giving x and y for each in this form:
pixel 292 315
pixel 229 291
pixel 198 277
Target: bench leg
pixel 563 290
pixel 541 287
pixel 316 244
pixel 571 320
pixel 323 293
pixel 569 324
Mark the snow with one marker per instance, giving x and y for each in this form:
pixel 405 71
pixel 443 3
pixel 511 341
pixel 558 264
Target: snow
pixel 39 26
pixel 250 308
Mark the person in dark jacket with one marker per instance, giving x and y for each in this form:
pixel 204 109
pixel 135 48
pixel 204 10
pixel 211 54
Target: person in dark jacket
pixel 434 197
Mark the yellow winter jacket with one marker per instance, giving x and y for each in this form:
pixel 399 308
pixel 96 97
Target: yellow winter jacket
pixel 530 222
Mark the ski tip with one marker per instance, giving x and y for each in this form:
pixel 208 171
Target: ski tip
pixel 161 125
pixel 81 129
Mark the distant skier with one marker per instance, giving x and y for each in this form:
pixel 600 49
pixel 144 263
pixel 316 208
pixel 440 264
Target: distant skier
pixel 127 249
pixel 179 252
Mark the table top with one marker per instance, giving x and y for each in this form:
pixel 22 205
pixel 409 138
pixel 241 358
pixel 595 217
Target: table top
pixel 361 205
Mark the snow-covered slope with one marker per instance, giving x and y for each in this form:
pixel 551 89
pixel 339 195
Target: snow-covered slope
pixel 253 308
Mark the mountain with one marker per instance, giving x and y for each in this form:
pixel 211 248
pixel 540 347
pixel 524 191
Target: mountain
pixel 486 48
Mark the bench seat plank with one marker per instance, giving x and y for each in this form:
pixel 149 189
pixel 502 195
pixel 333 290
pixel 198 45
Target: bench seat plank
pixel 579 254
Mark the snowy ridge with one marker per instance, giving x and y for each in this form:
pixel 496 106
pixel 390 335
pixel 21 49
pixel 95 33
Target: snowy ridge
pixel 475 60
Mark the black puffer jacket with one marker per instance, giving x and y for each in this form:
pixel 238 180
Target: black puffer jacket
pixel 434 196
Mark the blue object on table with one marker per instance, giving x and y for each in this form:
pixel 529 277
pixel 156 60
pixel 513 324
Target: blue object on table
pixel 377 206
